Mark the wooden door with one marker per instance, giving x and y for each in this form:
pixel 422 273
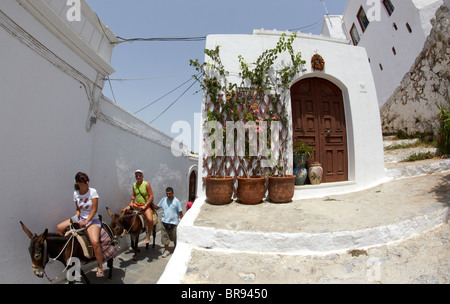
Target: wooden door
pixel 318 118
pixel 192 185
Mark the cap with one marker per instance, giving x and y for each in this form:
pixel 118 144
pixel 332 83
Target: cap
pixel 138 171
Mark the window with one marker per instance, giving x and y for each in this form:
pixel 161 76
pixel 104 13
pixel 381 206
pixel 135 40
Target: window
pixel 389 7
pixel 395 26
pixel 409 27
pixel 354 34
pixel 394 51
pixel 381 67
pixel 362 18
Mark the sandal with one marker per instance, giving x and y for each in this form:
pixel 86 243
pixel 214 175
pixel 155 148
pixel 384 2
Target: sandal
pixel 100 274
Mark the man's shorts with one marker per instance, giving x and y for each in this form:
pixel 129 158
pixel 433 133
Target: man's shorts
pixel 168 233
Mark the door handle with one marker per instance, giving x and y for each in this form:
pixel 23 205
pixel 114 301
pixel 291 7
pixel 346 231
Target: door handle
pixel 328 133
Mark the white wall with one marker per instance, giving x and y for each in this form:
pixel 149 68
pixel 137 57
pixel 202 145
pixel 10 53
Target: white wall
pixel 347 67
pixel 46 136
pixel 380 37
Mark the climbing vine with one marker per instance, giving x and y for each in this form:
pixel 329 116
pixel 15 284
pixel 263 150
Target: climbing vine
pixel 257 101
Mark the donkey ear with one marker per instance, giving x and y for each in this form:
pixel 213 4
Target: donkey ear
pixel 43 236
pixel 28 232
pixel 121 215
pixel 110 213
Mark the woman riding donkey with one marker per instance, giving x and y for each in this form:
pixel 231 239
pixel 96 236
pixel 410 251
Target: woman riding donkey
pixel 141 198
pixel 86 202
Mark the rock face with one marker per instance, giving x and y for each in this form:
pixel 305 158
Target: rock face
pixel 412 108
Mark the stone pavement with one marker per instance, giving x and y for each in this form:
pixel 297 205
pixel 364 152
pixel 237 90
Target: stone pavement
pixel 148 269
pixel 423 259
pixel 396 232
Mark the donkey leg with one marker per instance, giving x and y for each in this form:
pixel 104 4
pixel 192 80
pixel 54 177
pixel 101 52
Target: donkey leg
pixel 135 246
pixel 110 266
pixel 147 243
pixel 154 236
pixel 85 278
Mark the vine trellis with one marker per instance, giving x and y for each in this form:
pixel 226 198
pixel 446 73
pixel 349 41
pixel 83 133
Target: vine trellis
pixel 258 101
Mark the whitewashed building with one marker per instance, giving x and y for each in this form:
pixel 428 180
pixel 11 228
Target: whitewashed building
pixel 54 122
pixel 393 32
pixel 345 130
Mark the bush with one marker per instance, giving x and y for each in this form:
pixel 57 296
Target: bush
pixel 443 144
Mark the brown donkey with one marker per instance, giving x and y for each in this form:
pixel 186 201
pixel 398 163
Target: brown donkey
pixel 131 223
pixel 48 245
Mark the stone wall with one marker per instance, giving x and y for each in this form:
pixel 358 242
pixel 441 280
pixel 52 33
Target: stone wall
pixel 412 108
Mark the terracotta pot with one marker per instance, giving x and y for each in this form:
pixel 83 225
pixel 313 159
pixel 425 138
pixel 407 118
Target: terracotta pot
pixel 251 190
pixel 281 188
pixel 219 190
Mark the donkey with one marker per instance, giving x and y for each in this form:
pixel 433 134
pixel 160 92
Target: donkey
pixel 48 245
pixel 130 222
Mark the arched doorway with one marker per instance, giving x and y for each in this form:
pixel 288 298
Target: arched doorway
pixel 192 185
pixel 318 118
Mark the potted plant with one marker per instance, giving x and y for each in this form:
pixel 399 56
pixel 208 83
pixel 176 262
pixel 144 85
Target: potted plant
pixel 251 186
pixel 262 79
pixel 302 151
pixel 281 186
pixel 251 104
pixel 219 189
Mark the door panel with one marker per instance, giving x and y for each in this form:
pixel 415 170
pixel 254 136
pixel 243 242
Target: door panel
pixel 319 119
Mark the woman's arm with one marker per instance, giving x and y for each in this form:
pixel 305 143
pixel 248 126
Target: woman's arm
pixel 77 210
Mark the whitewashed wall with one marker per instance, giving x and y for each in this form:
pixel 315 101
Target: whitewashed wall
pixel 50 88
pixel 348 68
pixel 380 37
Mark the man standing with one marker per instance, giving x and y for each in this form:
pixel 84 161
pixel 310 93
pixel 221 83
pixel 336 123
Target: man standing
pixel 172 213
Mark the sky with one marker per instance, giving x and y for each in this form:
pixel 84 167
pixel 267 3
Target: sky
pixel 153 79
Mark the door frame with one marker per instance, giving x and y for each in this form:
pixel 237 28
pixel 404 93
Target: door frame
pixel 192 170
pixel 347 114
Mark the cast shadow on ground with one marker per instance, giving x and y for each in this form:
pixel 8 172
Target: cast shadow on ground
pixel 442 191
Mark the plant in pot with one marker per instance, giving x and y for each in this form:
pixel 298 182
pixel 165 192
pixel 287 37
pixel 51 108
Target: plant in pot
pixel 264 79
pixel 219 187
pixel 251 185
pixel 251 104
pixel 302 151
pixel 281 185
